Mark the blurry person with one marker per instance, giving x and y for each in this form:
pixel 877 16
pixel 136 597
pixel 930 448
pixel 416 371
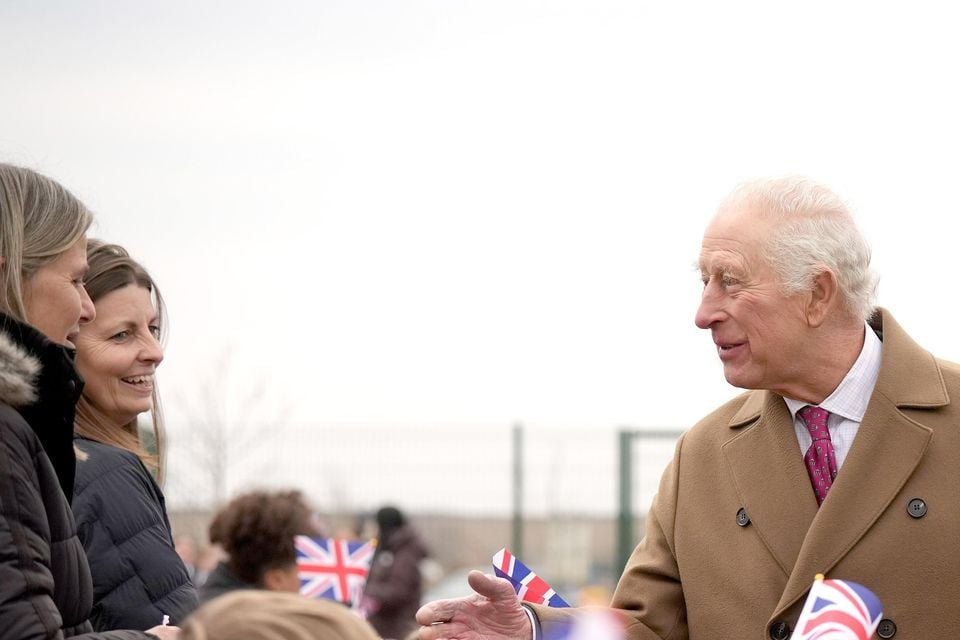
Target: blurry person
pixel 207 560
pixel 265 615
pixel 391 596
pixel 186 548
pixel 138 577
pixel 257 531
pixel 45 587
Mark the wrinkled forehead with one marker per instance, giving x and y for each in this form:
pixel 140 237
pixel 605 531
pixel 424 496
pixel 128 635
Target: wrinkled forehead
pixel 735 237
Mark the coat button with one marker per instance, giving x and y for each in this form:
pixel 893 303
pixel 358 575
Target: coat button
pixel 886 629
pixel 917 508
pixel 743 519
pixel 779 631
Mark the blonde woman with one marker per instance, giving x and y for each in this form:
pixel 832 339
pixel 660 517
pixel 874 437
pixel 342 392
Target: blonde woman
pixel 138 577
pixel 45 586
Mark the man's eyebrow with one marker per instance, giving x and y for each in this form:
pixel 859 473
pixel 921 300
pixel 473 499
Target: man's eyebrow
pixel 715 266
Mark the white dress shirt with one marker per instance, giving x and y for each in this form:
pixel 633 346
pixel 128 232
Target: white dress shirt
pixel 847 403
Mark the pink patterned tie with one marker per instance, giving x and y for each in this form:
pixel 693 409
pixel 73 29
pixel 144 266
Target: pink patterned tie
pixel 820 461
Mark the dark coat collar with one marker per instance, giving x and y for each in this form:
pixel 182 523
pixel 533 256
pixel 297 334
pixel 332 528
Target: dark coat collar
pixel 41 382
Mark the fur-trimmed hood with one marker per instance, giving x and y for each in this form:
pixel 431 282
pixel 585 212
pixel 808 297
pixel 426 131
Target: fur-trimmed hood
pixel 40 382
pixel 18 373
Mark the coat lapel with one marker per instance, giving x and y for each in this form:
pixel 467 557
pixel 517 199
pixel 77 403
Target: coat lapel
pixel 767 467
pixel 886 451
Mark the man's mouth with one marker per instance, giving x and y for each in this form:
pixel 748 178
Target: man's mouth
pixel 729 349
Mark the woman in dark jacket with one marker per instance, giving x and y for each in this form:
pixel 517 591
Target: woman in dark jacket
pixel 121 517
pixel 45 587
pixel 257 530
pixel 391 596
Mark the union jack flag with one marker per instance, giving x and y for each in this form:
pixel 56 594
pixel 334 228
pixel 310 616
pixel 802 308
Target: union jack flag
pixel 528 585
pixel 333 569
pixel 838 610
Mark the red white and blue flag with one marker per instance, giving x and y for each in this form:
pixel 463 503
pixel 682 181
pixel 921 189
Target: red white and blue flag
pixel 838 610
pixel 333 569
pixel 529 586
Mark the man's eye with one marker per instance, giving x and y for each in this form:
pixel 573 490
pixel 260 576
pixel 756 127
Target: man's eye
pixel 121 336
pixel 155 331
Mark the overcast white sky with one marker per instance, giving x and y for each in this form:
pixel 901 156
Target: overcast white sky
pixel 484 211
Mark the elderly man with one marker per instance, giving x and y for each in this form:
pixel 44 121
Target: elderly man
pixel 843 458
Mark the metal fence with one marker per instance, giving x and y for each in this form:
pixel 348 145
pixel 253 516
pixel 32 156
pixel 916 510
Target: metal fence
pixel 453 469
pixel 457 480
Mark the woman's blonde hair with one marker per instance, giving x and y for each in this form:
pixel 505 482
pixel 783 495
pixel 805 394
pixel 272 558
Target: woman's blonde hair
pixel 110 268
pixel 39 220
pixel 274 615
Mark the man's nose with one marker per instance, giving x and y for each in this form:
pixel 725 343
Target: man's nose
pixel 709 310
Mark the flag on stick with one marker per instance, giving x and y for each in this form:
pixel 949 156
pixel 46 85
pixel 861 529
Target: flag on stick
pixel 528 585
pixel 838 610
pixel 333 569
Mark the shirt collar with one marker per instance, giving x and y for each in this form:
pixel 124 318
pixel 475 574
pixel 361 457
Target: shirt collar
pixel 851 396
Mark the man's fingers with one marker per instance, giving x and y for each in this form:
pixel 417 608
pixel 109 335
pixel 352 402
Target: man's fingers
pixel 442 631
pixel 491 587
pixel 436 611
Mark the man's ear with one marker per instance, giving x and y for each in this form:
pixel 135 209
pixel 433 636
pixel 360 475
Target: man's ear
pixel 823 297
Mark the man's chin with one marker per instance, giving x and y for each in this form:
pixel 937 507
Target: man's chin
pixel 738 379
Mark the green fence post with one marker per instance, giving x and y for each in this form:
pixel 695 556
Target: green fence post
pixel 516 544
pixel 625 520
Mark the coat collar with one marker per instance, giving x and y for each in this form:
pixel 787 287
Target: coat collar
pixel 909 374
pixel 770 479
pixel 18 373
pixel 44 389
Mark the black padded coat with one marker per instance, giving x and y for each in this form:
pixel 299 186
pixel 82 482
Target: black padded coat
pixel 45 587
pixel 122 522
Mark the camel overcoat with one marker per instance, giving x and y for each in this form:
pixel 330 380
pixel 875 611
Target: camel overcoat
pixel 734 537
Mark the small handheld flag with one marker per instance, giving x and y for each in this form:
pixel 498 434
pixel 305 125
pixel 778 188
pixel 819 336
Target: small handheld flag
pixel 333 569
pixel 529 586
pixel 838 610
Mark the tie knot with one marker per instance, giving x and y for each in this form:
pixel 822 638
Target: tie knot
pixel 815 420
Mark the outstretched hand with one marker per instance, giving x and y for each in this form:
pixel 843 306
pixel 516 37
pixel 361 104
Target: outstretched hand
pixel 492 613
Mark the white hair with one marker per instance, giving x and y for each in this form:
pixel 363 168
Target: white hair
pixel 814 229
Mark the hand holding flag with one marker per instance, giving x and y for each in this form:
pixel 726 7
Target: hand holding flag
pixel 528 585
pixel 838 610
